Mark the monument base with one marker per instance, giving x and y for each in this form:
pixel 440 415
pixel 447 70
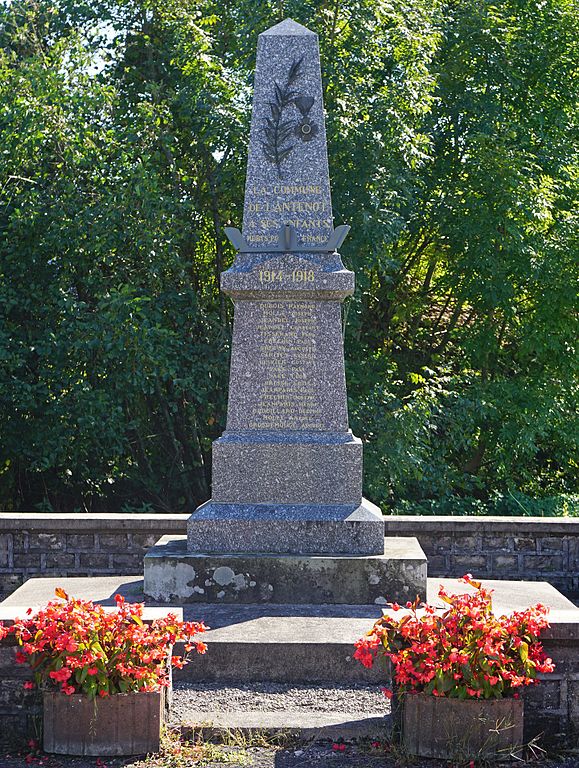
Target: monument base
pixel 174 575
pixel 302 645
pixel 260 467
pixel 287 529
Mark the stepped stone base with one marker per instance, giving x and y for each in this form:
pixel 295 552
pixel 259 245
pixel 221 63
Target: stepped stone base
pixel 306 644
pixel 302 529
pixel 172 574
pixel 290 644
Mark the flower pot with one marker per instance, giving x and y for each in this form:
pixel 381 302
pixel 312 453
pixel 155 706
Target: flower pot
pixel 122 724
pixel 455 729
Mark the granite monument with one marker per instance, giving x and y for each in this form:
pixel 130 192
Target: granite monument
pixel 287 472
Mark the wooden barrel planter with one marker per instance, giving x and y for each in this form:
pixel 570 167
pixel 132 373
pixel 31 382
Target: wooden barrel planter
pixel 122 724
pixel 446 728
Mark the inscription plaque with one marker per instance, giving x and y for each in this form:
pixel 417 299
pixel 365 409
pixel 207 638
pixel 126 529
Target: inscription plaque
pixel 285 371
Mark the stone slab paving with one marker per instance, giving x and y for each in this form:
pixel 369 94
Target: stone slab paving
pixel 509 596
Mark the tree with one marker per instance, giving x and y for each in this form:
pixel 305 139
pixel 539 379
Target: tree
pixel 473 302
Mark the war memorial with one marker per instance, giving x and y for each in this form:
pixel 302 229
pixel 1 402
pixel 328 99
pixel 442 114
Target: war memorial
pixel 287 562
pixel 287 472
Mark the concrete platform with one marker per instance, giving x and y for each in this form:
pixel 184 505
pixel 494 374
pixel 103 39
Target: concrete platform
pixel 248 643
pixel 293 643
pixel 174 575
pixel 36 593
pixel 282 643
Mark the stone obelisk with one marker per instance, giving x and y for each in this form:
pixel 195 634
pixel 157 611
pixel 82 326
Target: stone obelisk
pixel 287 522
pixel 287 472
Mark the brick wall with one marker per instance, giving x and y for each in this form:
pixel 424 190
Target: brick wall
pixel 515 548
pixel 77 545
pixel 539 549
pixel 552 706
pixel 20 710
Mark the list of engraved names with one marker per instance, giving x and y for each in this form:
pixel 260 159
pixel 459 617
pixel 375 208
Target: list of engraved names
pixel 286 347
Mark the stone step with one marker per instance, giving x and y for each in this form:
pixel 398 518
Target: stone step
pixel 300 726
pixel 282 643
pixel 315 643
pixel 308 712
pixel 175 575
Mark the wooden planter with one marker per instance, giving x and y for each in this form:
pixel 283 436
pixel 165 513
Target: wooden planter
pixel 458 730
pixel 123 724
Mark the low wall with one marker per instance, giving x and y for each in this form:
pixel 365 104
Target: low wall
pixel 77 545
pixel 533 549
pixel 514 548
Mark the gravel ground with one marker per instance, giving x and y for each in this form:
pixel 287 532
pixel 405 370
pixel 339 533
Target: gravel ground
pixel 275 697
pixel 319 755
pixel 255 752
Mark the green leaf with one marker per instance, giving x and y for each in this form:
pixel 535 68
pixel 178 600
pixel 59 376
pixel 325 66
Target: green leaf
pixel 524 651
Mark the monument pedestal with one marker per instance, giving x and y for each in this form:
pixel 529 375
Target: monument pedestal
pixel 173 574
pixel 288 467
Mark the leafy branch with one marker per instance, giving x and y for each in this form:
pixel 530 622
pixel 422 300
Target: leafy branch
pixel 278 131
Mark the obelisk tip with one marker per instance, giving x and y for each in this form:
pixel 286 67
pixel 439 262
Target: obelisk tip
pixel 288 27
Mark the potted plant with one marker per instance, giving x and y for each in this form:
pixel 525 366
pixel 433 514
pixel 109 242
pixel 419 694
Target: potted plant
pixel 457 672
pixel 102 673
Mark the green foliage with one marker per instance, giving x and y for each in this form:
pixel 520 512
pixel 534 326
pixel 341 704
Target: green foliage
pixel 517 504
pixel 465 320
pixel 113 347
pixel 123 129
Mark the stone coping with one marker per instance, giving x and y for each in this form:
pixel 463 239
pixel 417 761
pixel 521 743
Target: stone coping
pixel 475 523
pixel 74 522
pixel 177 523
pixel 37 592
